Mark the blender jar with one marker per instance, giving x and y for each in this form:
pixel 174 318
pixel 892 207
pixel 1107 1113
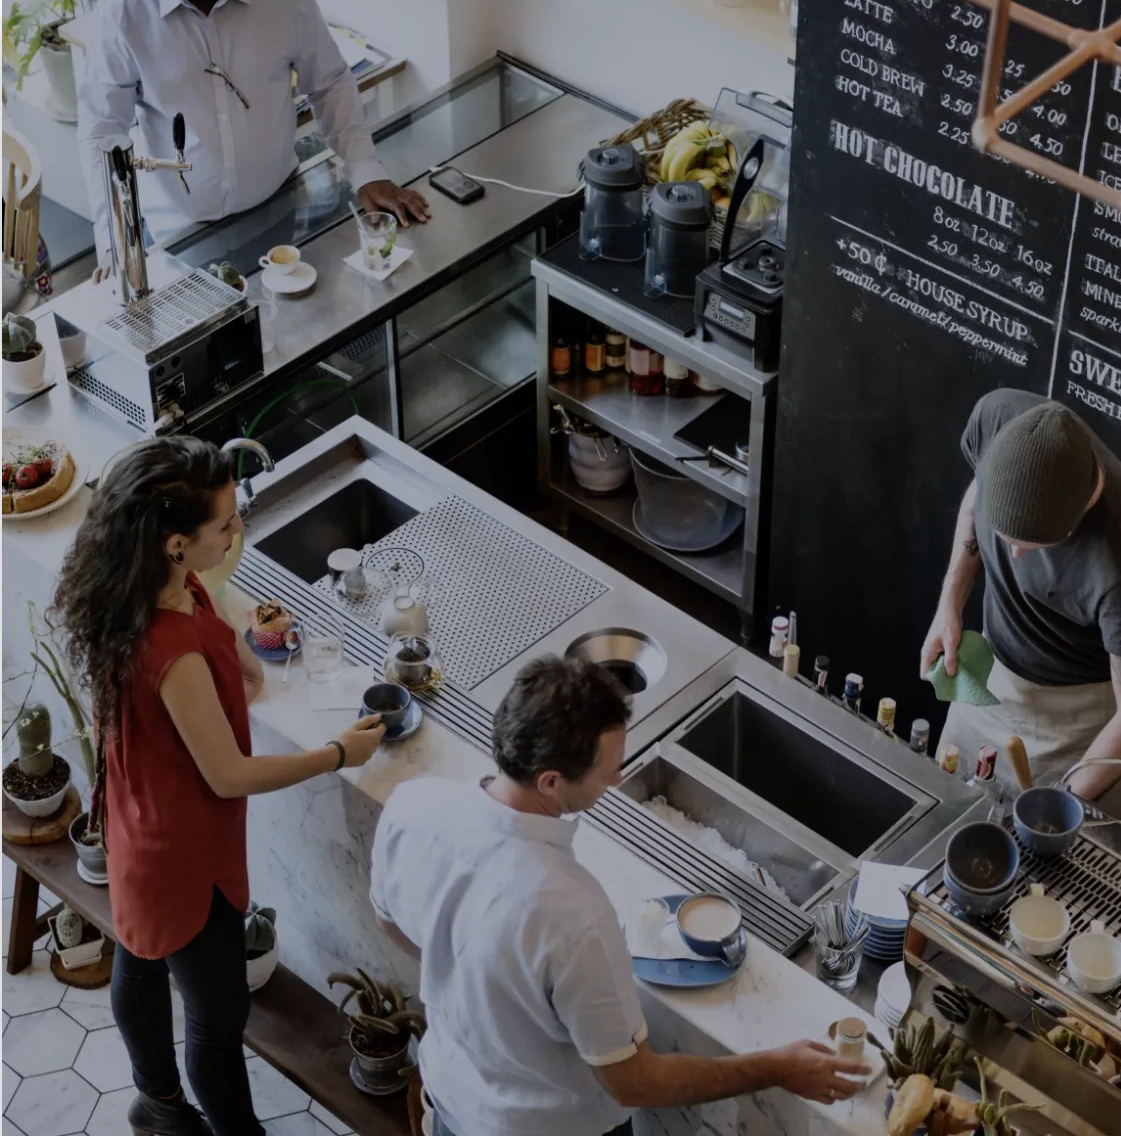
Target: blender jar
pixel 612 225
pixel 677 251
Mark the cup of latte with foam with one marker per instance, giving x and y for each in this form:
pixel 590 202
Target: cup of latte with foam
pixel 710 925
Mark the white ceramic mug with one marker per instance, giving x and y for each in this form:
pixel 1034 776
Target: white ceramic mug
pixel 282 259
pixel 1039 924
pixel 1094 960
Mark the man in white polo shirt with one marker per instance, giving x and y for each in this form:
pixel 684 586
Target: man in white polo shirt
pixel 534 1024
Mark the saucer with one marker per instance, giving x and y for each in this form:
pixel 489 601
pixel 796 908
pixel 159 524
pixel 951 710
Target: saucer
pixel 300 279
pixel 685 973
pixel 268 654
pixel 413 718
pixel 91 877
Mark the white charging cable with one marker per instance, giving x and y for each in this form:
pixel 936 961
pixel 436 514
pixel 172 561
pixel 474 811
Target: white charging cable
pixel 506 185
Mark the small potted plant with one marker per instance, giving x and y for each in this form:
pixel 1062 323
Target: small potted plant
pixel 25 361
pixel 260 945
pixel 228 275
pixel 379 1032
pixel 31 28
pixel 37 780
pixel 79 943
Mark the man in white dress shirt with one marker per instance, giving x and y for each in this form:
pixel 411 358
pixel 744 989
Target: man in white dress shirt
pixel 534 1024
pixel 227 66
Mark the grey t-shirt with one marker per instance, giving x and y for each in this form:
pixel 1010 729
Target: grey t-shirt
pixel 1053 616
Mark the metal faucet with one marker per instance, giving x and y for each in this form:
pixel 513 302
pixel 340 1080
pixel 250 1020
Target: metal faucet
pixel 126 227
pixel 245 500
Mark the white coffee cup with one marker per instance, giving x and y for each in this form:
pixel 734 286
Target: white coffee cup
pixel 1094 960
pixel 1039 924
pixel 282 259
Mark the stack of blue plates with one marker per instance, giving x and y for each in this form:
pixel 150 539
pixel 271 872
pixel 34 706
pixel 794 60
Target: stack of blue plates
pixel 885 936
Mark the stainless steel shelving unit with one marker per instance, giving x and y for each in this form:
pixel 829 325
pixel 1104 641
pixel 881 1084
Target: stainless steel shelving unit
pixel 650 425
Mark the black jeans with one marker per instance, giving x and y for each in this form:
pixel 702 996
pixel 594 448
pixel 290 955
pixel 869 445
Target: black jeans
pixel 210 974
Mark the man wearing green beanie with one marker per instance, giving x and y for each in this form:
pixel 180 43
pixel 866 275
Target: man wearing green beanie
pixel 1042 516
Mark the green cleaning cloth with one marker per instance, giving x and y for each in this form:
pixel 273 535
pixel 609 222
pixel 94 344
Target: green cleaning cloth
pixel 975 660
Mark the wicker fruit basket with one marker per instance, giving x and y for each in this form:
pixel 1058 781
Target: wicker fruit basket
pixel 650 136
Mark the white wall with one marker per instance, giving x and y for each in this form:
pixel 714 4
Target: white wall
pixel 638 54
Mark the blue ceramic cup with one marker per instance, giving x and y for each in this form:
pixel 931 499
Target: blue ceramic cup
pixel 391 701
pixel 710 926
pixel 976 904
pixel 1047 820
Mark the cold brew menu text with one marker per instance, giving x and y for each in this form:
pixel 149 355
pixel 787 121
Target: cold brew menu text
pixel 922 274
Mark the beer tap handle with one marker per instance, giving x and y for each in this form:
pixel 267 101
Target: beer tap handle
pixel 179 139
pixel 120 166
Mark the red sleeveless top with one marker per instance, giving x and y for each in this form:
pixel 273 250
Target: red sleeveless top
pixel 170 838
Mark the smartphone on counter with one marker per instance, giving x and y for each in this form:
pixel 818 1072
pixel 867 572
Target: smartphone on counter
pixel 459 187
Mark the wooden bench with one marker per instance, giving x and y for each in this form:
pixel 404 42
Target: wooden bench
pixel 291 1025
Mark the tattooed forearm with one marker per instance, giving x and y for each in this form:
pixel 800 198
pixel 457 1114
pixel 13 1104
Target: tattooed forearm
pixel 970 545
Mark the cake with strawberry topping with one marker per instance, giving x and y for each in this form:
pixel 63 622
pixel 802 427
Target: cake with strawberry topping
pixel 36 476
pixel 269 623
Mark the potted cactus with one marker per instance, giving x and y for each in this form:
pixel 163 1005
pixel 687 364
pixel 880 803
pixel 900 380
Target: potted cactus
pixel 228 275
pixel 37 780
pixel 380 1031
pixel 260 945
pixel 79 943
pixel 25 361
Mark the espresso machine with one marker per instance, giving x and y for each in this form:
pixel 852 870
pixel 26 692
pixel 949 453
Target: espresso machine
pixel 158 357
pixel 1040 1037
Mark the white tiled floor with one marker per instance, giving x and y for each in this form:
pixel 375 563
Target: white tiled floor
pixel 65 1071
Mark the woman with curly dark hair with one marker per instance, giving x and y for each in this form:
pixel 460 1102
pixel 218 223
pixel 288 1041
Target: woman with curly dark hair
pixel 170 682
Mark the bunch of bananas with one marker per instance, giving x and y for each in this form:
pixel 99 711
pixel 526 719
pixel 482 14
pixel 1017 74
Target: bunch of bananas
pixel 698 152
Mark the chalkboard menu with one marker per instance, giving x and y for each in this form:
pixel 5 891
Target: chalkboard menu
pixel 921 274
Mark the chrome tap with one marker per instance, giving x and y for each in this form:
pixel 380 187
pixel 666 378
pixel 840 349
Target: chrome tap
pixel 245 499
pixel 126 227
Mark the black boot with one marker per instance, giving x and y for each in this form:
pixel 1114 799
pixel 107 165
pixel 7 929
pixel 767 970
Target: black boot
pixel 151 1117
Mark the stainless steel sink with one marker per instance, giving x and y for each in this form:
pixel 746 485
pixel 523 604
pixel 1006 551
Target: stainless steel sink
pixel 357 515
pixel 809 781
pixel 797 871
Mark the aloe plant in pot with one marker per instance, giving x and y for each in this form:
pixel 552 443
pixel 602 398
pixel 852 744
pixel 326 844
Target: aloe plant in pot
pixel 379 1033
pixel 25 361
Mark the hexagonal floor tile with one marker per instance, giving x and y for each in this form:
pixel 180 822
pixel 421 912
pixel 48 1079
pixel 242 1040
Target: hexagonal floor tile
pixel 330 1120
pixel 110 1117
pixel 104 1061
pixel 7 1128
pixel 11 1083
pixel 298 1124
pixel 43 1043
pixel 52 1105
pixel 34 988
pixel 89 1008
pixel 273 1094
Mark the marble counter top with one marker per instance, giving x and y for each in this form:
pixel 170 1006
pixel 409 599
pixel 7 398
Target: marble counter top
pixel 770 1003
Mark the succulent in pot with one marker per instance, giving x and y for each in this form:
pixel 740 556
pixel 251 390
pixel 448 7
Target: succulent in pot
pixel 25 361
pixel 379 1032
pixel 260 945
pixel 37 780
pixel 89 846
pixel 228 275
pixel 79 943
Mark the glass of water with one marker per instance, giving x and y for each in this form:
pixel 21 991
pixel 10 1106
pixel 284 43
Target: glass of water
pixel 323 646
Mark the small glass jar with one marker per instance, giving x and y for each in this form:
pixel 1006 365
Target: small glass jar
pixel 851 1033
pixel 703 385
pixel 616 350
pixel 560 358
pixel 641 363
pixel 678 384
pixel 595 352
